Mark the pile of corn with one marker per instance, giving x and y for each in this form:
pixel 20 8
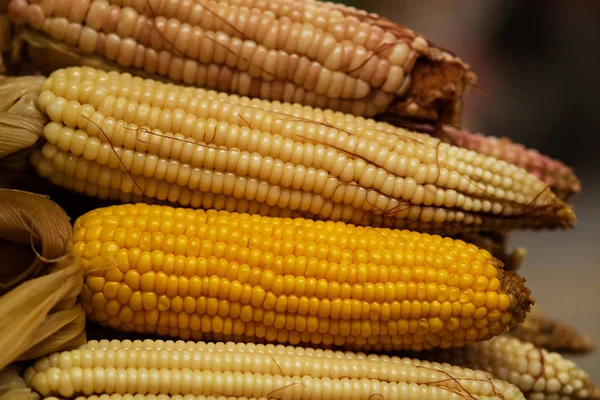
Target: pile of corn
pixel 255 235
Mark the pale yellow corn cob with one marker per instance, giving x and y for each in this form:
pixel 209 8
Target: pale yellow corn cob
pixel 540 374
pixel 318 54
pixel 157 397
pixel 250 370
pixel 119 136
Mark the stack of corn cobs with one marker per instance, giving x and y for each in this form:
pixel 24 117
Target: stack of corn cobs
pixel 269 236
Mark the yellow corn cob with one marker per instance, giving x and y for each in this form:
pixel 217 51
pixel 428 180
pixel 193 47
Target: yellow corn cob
pixel 497 244
pixel 206 274
pixel 309 52
pixel 115 136
pixel 253 370
pixel 540 374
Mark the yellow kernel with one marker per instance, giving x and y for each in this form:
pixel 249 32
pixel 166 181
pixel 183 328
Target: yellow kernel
pixel 135 301
pixel 481 284
pixel 149 301
pixel 132 239
pixel 111 289
pixel 124 294
pixel 164 303
pixel 504 302
pixel 453 293
pixel 456 308
pixel 266 280
pixel 95 283
pixel 147 282
pixel 466 296
pixel 467 310
pixel 492 300
pixel 418 274
pixel 477 269
pixel 112 307
pixel 172 286
pixel 177 304
pixel 132 279
pixel 491 272
pixel 446 310
pixel 506 318
pixel 480 313
pixel 98 301
pixel 91 249
pixel 452 324
pixel 466 281
pixel 114 274
pixel 402 327
pixel 466 323
pixel 435 325
pixel 109 249
pixel 479 299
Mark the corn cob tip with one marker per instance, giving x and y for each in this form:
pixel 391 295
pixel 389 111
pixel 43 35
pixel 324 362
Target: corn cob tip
pixel 538 373
pixel 566 214
pixel 562 179
pixel 436 92
pixel 520 295
pixel 556 213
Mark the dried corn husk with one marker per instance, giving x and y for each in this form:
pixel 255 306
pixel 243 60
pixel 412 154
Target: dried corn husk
pixel 12 385
pixel 21 120
pixel 4 39
pixel 552 335
pixel 40 279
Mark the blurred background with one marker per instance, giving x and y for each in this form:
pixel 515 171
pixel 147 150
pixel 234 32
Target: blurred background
pixel 538 62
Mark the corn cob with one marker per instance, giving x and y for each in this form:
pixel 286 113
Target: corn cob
pixel 253 370
pixel 13 386
pixel 496 244
pixel 561 178
pixel 122 137
pixel 206 274
pixel 552 335
pixel 318 54
pixel 156 397
pixel 541 375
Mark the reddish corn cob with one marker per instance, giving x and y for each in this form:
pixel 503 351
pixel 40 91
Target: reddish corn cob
pixel 561 178
pixel 318 54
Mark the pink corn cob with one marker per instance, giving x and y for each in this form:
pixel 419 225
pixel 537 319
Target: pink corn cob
pixel 558 176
